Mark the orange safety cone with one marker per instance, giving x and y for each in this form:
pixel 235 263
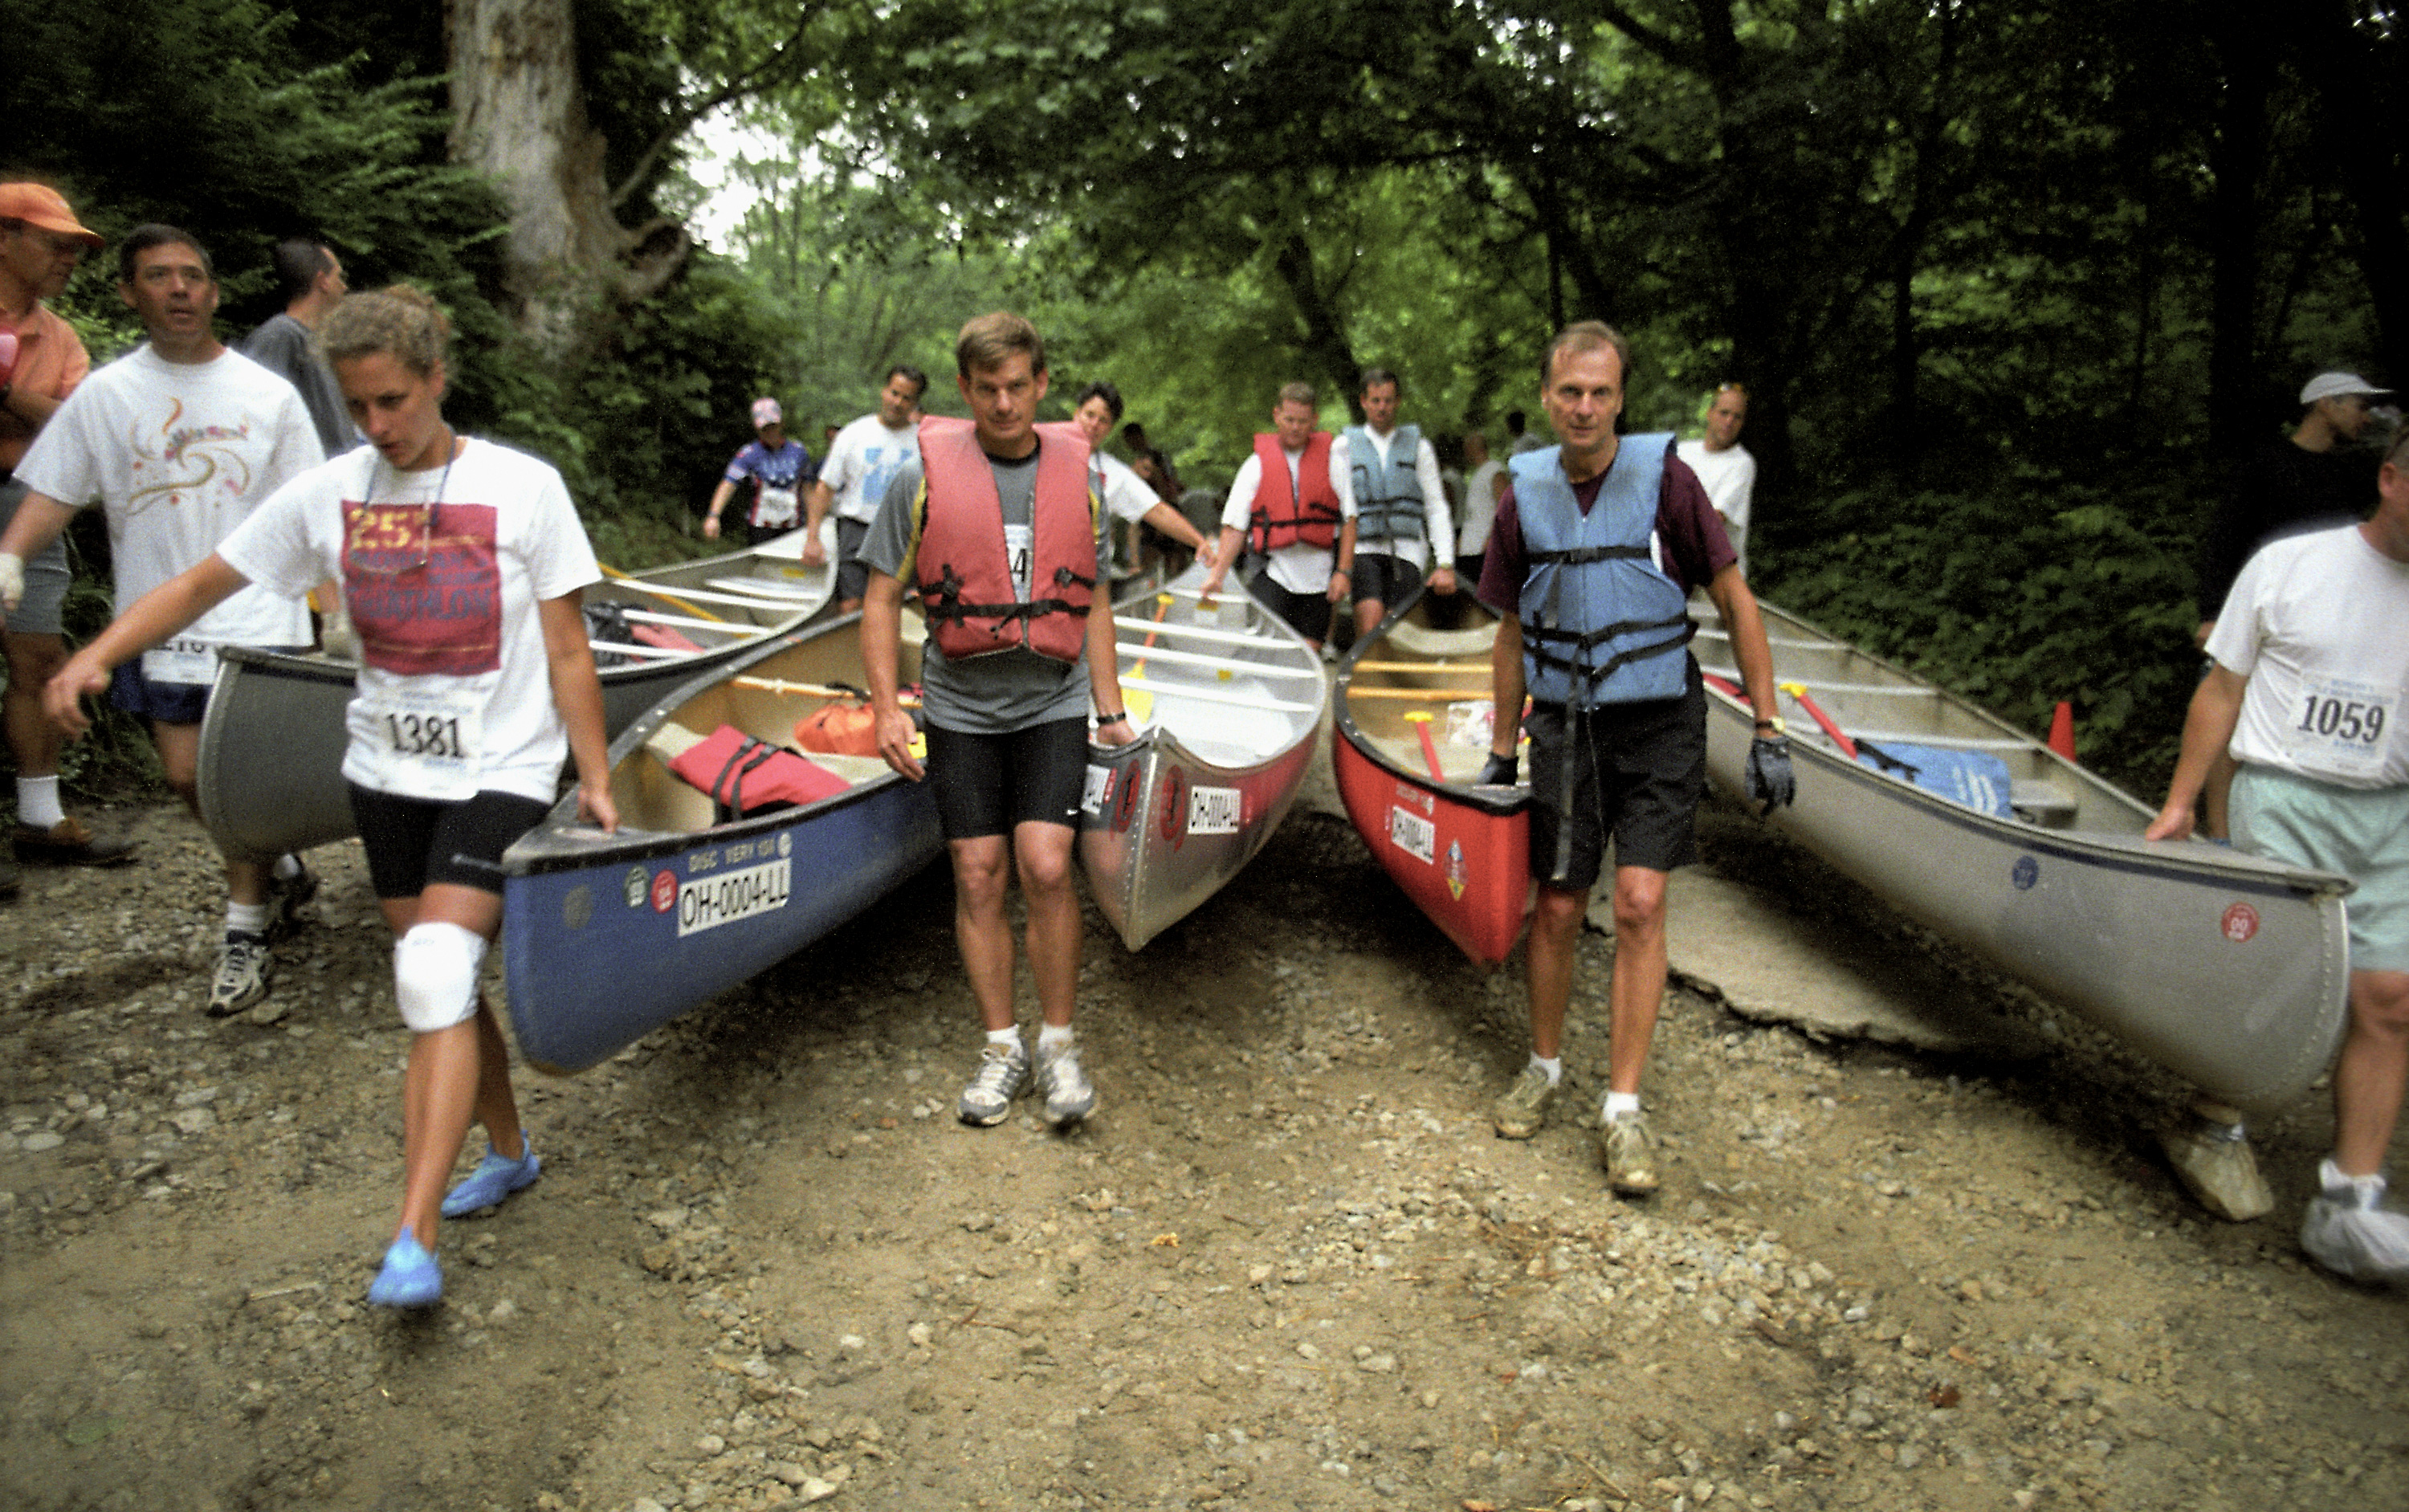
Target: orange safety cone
pixel 2061 730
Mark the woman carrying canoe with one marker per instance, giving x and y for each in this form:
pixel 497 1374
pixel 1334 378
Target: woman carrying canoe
pixel 462 563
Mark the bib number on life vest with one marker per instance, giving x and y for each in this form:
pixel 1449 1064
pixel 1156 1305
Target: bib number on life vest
pixel 778 507
pixel 191 663
pixel 427 742
pixel 2343 726
pixel 1020 547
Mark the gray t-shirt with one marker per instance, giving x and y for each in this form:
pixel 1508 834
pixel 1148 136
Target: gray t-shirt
pixel 281 346
pixel 1006 690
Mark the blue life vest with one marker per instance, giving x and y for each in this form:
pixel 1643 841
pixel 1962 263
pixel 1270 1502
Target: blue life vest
pixel 1388 489
pixel 1601 622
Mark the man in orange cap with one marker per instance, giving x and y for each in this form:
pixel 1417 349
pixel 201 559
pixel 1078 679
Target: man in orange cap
pixel 40 243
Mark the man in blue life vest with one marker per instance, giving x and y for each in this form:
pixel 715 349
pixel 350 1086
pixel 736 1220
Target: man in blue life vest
pixel 1402 524
pixel 996 523
pixel 1596 544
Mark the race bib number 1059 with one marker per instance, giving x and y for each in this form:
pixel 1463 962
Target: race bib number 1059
pixel 2343 726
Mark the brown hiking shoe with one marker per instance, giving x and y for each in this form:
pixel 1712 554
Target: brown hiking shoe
pixel 69 842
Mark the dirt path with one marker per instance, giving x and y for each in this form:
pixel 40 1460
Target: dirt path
pixel 1286 1266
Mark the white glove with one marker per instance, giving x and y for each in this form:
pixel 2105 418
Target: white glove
pixel 12 581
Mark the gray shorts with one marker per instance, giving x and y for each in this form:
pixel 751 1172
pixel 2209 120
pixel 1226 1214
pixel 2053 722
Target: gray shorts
pixel 2363 833
pixel 46 575
pixel 852 572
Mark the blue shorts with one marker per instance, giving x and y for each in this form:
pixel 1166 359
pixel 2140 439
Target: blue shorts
pixel 167 703
pixel 2361 832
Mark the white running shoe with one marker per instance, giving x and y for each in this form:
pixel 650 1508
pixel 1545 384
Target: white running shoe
pixel 2350 1233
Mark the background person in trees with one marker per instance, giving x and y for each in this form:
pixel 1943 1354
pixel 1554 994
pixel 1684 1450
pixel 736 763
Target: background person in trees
pixel 41 361
pixel 1149 463
pixel 1126 496
pixel 778 467
pixel 1724 466
pixel 861 461
pixel 1519 439
pixel 1618 719
pixel 2318 478
pixel 2307 689
pixel 1289 507
pixel 1482 485
pixel 458 726
pixel 180 440
pixel 1400 524
pixel 999 510
pixel 309 278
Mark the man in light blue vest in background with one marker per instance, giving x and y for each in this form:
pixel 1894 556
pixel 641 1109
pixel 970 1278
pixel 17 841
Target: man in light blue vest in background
pixel 1596 545
pixel 1400 508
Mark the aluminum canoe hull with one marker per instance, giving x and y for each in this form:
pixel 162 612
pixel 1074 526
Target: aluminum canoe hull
pixel 1461 852
pixel 270 778
pixel 1169 818
pixel 607 938
pixel 2229 971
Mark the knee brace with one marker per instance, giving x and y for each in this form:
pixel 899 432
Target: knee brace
pixel 435 975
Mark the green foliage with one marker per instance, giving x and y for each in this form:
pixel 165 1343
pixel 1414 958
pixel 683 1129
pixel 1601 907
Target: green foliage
pixel 2017 599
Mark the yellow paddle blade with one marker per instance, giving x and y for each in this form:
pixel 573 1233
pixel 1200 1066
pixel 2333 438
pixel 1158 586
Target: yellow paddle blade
pixel 1140 703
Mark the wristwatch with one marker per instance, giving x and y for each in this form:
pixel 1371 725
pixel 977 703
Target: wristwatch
pixel 1776 726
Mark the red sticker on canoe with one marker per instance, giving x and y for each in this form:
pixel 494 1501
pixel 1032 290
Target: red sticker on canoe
pixel 2240 922
pixel 664 891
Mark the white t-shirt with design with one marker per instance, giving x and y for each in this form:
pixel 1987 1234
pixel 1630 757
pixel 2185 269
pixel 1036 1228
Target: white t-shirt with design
pixel 1298 569
pixel 442 571
pixel 178 454
pixel 2319 624
pixel 1730 478
pixel 862 460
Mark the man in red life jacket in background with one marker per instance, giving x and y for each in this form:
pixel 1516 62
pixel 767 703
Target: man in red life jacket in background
pixel 1287 507
pixel 998 527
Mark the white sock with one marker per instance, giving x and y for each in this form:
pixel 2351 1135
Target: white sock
pixel 287 867
pixel 37 802
pixel 1619 1104
pixel 1554 1067
pixel 1009 1038
pixel 246 919
pixel 1053 1036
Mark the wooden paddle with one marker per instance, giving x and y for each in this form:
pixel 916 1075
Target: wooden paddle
pixel 810 690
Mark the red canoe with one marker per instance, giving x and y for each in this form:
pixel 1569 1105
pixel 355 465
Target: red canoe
pixel 1410 703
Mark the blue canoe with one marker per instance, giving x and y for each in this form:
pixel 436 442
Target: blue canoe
pixel 607 938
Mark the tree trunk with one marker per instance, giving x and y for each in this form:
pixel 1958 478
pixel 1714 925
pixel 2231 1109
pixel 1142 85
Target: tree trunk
pixel 518 106
pixel 2364 132
pixel 2236 157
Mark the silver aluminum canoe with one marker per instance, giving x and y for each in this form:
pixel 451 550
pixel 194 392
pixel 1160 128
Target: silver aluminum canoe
pixel 1228 702
pixel 2229 971
pixel 272 741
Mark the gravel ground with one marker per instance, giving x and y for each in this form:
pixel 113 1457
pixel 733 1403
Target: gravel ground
pixel 1286 1265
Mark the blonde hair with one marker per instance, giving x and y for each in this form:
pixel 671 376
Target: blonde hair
pixel 400 321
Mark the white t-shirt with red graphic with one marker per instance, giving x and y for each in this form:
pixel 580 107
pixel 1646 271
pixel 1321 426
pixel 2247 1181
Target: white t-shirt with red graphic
pixel 442 571
pixel 179 453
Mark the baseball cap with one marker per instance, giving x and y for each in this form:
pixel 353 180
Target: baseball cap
pixel 40 205
pixel 766 413
pixel 2338 385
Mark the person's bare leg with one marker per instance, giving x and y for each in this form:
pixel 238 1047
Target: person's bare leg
pixel 980 925
pixel 2371 1073
pixel 1640 970
pixel 1055 932
pixel 33 661
pixel 179 754
pixel 1555 933
pixel 1369 612
pixel 447 1081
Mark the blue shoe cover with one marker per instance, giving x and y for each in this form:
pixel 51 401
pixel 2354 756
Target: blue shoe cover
pixel 495 1177
pixel 410 1277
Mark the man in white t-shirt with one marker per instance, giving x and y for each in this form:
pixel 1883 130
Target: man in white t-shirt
pixel 1401 514
pixel 2308 689
pixel 1299 528
pixel 1724 466
pixel 179 441
pixel 1485 485
pixel 861 462
pixel 1127 497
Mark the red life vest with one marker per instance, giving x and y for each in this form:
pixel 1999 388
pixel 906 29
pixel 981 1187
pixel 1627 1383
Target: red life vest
pixel 963 572
pixel 1280 517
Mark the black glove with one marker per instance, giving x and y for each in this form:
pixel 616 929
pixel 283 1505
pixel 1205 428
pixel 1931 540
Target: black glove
pixel 1769 778
pixel 1498 772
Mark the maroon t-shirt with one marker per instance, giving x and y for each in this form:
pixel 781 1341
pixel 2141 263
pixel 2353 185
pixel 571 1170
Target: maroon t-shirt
pixel 1692 534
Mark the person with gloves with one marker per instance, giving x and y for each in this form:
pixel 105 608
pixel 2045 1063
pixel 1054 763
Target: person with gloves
pixel 1596 544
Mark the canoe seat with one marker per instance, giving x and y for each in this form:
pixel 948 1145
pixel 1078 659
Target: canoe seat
pixel 2046 804
pixel 1416 640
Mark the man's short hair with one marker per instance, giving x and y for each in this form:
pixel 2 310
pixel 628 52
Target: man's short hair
pixel 1101 389
pixel 1517 421
pixel 151 234
pixel 986 341
pixel 919 379
pixel 1299 391
pixel 1588 336
pixel 2398 453
pixel 299 263
pixel 1731 386
pixel 1374 377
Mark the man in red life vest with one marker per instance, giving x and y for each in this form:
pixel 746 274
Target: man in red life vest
pixel 997 526
pixel 1287 507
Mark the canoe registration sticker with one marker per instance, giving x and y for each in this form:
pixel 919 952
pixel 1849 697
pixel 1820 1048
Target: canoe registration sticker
pixel 1099 790
pixel 1455 877
pixel 2240 922
pixel 708 902
pixel 1213 811
pixel 1414 835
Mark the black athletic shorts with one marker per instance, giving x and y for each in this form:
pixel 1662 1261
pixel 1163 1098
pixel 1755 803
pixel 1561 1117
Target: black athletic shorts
pixel 1391 580
pixel 414 842
pixel 1308 614
pixel 1637 771
pixel 988 784
pixel 852 572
